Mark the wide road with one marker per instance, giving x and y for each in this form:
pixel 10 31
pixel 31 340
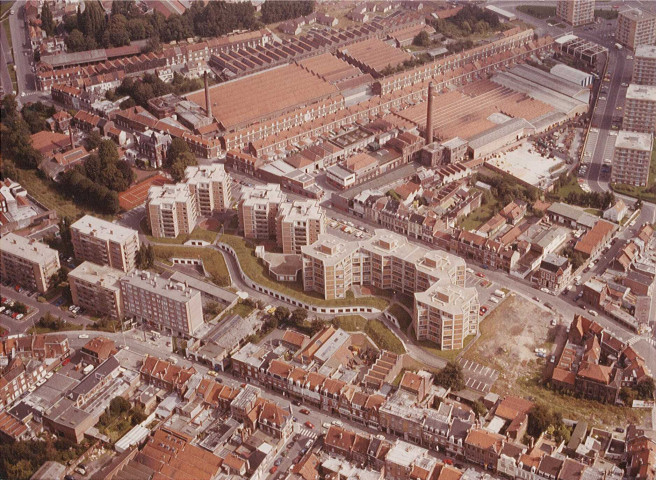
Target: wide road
pixel 23 55
pixel 5 58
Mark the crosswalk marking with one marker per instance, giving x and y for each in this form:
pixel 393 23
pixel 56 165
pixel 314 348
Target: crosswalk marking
pixel 306 432
pixel 634 340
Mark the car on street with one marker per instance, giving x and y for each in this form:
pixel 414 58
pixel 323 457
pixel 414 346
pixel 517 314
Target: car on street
pixel 309 425
pixel 274 469
pixel 305 411
pixel 83 335
pixel 297 403
pixel 483 310
pixel 480 274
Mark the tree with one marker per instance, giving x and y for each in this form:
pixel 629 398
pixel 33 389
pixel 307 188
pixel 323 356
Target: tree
pixel 47 22
pixel 645 389
pixel 540 418
pixel 451 377
pixel 119 406
pixel 282 314
pixel 275 11
pixel 92 140
pixel 59 277
pixel 299 315
pixel 145 257
pixel 422 39
pixel 19 307
pixel 15 136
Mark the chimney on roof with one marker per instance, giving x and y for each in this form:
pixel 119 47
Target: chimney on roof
pixel 429 115
pixel 70 133
pixel 208 105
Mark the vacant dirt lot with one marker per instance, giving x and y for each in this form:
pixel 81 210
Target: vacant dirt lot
pixel 509 336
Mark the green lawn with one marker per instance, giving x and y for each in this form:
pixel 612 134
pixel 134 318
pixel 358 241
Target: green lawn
pixel 647 193
pixel 68 326
pixel 46 192
pixel 383 337
pixel 257 272
pixel 448 355
pixel 595 211
pixel 351 323
pixel 5 26
pixel 403 317
pixel 562 192
pixel 212 260
pixel 240 309
pixel 5 5
pixel 197 234
pixel 481 215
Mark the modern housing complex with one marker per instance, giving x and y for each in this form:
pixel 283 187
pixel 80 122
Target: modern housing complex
pixel 170 306
pixel 105 243
pixel 632 158
pixel 576 12
pixel 636 27
pixel 258 210
pixel 644 65
pixel 446 312
pixel 640 109
pixel 211 186
pixel 27 263
pixel 96 288
pixel 299 223
pixel 172 210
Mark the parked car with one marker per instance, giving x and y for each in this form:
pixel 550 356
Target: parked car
pixel 305 411
pixel 309 425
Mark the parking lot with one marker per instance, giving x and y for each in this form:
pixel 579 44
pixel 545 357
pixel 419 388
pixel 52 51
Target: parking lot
pixel 478 377
pixel 485 288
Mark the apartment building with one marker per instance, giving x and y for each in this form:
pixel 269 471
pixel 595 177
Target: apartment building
pixel 636 27
pixel 27 263
pixel 553 273
pixel 576 12
pixel 299 223
pixel 105 243
pixel 644 65
pixel 172 210
pixel 96 288
pixel 632 158
pixel 446 314
pixel 211 187
pixel 161 303
pixel 387 260
pixel 640 109
pixel 258 210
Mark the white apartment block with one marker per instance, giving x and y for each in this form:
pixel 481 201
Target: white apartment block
pixel 211 186
pixel 299 223
pixel 644 65
pixel 632 158
pixel 640 109
pixel 576 12
pixel 446 314
pixel 636 27
pixel 164 305
pixel 105 243
pixel 258 209
pixel 172 210
pixel 97 289
pixel 27 263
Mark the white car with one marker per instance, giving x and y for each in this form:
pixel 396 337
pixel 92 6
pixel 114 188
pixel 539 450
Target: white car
pixel 83 335
pixel 19 316
pixel 593 313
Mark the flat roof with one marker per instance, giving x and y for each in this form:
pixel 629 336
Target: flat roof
pixel 203 287
pixel 27 248
pixel 99 228
pixel 176 291
pixel 103 275
pixel 636 14
pixel 641 92
pixel 645 51
pixel 634 141
pixel 251 98
pixel 375 54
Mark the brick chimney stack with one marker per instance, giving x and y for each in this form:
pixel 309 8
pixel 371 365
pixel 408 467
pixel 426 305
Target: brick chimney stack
pixel 208 105
pixel 70 133
pixel 429 115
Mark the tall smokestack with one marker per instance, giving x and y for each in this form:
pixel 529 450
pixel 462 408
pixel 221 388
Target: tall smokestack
pixel 208 105
pixel 70 133
pixel 429 115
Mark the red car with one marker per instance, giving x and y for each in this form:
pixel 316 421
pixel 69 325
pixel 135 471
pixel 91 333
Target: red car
pixel 274 469
pixel 305 411
pixel 480 274
pixel 483 311
pixel 309 425
pixel 66 362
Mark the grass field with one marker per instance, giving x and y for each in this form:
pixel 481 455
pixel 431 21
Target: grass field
pixel 481 215
pixel 212 260
pixel 68 326
pixel 382 336
pixel 240 309
pixel 197 234
pixel 562 192
pixel 401 315
pixel 5 5
pixel 257 272
pixel 448 355
pixel 538 11
pixel 351 323
pixel 46 193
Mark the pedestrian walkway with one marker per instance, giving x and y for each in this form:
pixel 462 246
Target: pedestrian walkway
pixel 306 432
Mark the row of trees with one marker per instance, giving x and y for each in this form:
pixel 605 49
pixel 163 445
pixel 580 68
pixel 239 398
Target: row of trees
pixel 151 86
pixel 276 11
pixel 15 136
pixel 506 189
pixel 145 257
pixel 88 193
pixel 471 19
pixel 36 114
pixel 583 199
pixel 105 168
